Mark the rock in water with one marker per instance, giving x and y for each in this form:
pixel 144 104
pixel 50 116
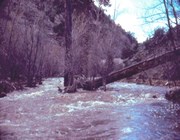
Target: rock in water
pixel 173 95
pixel 154 96
pixel 60 90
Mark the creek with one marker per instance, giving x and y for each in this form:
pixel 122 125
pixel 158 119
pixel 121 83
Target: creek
pixel 124 112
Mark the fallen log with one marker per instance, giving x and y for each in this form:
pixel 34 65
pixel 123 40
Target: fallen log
pixel 132 70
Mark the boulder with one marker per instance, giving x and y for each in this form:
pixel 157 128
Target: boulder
pixel 154 96
pixel 60 90
pixel 173 95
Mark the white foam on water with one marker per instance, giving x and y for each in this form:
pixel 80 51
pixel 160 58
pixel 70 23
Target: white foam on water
pixel 127 130
pixel 135 87
pixel 23 96
pixel 132 99
pixel 80 105
pixel 50 84
pixel 59 114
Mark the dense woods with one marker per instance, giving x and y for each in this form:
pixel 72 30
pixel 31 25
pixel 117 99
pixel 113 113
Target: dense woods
pixel 33 40
pixel 75 39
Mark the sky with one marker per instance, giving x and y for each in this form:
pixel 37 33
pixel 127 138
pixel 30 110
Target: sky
pixel 129 14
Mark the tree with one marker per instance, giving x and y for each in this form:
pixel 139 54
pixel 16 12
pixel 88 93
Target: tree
pixel 22 32
pixel 165 11
pixel 171 35
pixel 68 72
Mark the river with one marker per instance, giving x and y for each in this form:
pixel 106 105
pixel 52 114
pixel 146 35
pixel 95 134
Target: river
pixel 124 112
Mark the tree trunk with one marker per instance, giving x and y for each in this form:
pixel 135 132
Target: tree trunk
pixel 68 72
pixel 132 70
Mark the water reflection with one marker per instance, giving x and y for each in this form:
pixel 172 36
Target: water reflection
pixel 125 112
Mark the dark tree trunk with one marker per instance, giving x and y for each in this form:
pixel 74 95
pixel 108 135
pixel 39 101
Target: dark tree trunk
pixel 132 70
pixel 68 72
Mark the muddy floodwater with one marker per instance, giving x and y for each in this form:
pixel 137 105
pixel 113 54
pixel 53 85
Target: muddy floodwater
pixel 124 112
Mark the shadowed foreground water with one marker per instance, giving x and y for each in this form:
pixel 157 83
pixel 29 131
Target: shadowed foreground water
pixel 124 112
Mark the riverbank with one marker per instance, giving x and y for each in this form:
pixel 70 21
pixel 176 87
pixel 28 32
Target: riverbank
pixel 153 82
pixel 7 86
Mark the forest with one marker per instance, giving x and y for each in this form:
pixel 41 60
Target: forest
pixel 36 37
pixel 33 40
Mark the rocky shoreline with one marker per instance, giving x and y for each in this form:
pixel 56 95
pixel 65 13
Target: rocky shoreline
pixel 173 95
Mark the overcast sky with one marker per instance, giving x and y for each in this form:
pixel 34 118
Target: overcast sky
pixel 129 15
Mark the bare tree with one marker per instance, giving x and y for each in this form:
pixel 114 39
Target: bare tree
pixel 165 10
pixel 68 72
pixel 171 35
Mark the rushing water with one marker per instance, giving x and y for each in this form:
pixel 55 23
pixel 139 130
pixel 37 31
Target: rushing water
pixel 124 112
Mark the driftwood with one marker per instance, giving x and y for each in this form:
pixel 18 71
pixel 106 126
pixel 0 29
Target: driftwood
pixel 132 70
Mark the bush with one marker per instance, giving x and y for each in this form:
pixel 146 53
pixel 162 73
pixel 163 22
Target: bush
pixel 6 87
